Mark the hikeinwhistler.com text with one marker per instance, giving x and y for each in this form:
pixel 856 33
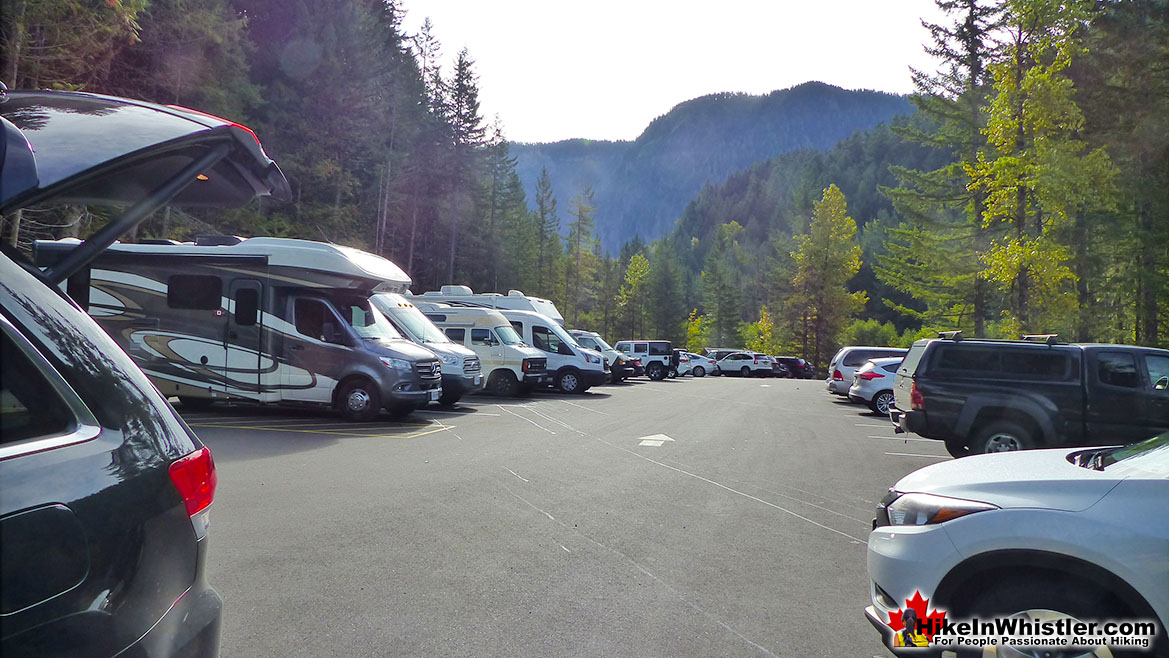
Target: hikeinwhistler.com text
pixel 1041 633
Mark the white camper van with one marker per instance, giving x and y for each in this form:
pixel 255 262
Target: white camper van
pixel 513 300
pixel 461 370
pixel 270 320
pixel 511 367
pixel 574 368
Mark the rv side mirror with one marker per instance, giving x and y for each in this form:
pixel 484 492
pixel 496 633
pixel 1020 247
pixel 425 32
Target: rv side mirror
pixel 331 333
pixel 1162 384
pixel 491 342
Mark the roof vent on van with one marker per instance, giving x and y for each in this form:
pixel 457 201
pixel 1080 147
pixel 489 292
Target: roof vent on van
pixel 1049 339
pixel 217 240
pixel 457 290
pixel 159 241
pixel 955 336
pixel 515 293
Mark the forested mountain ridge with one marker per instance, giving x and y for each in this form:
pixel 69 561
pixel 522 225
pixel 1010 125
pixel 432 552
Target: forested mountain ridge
pixel 641 187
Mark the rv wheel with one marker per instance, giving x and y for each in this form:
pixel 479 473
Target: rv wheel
pixel 359 400
pixel 503 383
pixel 449 399
pixel 568 381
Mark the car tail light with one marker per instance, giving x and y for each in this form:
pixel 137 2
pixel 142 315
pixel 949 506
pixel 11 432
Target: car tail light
pixel 916 399
pixel 870 375
pixel 195 478
pixel 837 376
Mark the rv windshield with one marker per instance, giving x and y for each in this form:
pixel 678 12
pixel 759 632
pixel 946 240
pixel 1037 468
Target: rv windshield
pixel 508 335
pixel 413 321
pixel 366 320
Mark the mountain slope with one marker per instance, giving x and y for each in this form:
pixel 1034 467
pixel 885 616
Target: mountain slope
pixel 641 187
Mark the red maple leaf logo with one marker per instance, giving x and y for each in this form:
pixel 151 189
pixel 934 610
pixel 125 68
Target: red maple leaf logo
pixel 931 622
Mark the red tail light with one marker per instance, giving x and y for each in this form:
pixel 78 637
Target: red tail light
pixel 194 476
pixel 916 399
pixel 837 376
pixel 870 375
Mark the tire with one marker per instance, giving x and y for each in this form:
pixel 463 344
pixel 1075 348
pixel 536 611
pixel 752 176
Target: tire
pixel 196 404
pixel 745 371
pixel 449 399
pixel 671 373
pixel 359 400
pixel 1056 596
pixel 698 371
pixel 1002 436
pixel 655 371
pixel 569 381
pixel 881 402
pixel 957 448
pixel 503 383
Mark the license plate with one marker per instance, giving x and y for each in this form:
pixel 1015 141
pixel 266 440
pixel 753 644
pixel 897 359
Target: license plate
pixel 434 396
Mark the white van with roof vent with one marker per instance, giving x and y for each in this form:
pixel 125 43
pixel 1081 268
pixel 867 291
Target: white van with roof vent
pixel 461 367
pixel 574 368
pixel 514 300
pixel 510 366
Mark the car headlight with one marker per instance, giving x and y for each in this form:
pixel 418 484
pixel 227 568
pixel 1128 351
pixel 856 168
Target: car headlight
pixel 928 509
pixel 401 365
pixel 450 360
pixel 592 358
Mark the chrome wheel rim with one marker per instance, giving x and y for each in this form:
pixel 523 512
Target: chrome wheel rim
pixel 569 382
pixel 358 400
pixel 1003 443
pixel 883 402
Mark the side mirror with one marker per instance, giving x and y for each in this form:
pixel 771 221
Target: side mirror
pixel 1162 384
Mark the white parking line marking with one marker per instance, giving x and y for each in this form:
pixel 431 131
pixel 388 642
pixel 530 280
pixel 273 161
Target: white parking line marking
pixel 581 406
pixel 910 454
pixel 884 427
pixel 515 474
pixel 504 409
pixel 651 443
pixel 458 413
pixel 656 437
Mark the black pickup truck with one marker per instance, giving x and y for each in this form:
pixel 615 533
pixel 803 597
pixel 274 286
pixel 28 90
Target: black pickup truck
pixel 981 395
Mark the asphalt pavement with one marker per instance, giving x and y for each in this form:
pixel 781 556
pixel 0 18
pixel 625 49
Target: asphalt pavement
pixel 689 517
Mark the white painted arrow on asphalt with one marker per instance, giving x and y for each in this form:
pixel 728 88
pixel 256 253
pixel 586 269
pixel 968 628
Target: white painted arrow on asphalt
pixel 654 440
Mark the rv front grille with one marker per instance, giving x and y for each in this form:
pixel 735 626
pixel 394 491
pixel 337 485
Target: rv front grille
pixel 429 369
pixel 471 364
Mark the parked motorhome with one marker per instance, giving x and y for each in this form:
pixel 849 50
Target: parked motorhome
pixel 511 367
pixel 270 320
pixel 461 368
pixel 514 300
pixel 574 368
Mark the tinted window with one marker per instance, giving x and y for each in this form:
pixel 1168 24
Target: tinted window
pixel 29 407
pixel 970 359
pixel 1037 364
pixel 313 319
pixel 518 326
pixel 641 348
pixel 543 338
pixel 247 305
pixel 193 291
pixel 481 337
pixel 659 348
pixel 1117 369
pixel 892 367
pixel 1158 368
pixel 457 335
pixel 623 347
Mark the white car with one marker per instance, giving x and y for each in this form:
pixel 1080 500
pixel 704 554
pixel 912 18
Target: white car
pixel 696 365
pixel 745 364
pixel 848 359
pixel 872 384
pixel 1080 533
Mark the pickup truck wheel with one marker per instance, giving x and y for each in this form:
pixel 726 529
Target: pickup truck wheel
pixel 359 400
pixel 957 448
pixel 699 371
pixel 1002 436
pixel 503 383
pixel 881 402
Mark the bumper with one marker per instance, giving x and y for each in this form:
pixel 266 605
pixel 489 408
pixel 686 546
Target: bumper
pixel 908 421
pixel 594 377
pixel 464 384
pixel 622 371
pixel 904 561
pixel 837 386
pixel 537 378
pixel 414 391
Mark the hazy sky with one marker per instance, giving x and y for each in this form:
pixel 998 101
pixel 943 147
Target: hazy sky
pixel 603 69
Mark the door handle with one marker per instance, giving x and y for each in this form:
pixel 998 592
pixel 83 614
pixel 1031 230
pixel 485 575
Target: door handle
pixel 296 348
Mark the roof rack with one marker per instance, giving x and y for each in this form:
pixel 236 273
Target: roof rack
pixel 955 336
pixel 1049 339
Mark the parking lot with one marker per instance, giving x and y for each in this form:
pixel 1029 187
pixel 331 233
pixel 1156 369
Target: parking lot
pixel 703 517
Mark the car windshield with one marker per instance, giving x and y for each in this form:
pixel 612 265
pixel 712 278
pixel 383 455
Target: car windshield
pixel 508 336
pixel 1151 456
pixel 416 323
pixel 367 321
